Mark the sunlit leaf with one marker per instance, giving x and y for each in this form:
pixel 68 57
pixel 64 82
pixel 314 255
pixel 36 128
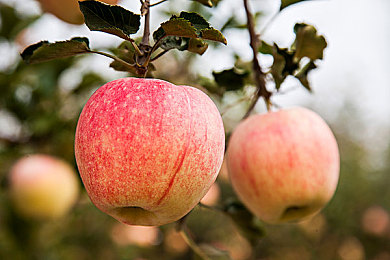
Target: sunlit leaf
pixel 45 51
pixel 197 46
pixel 308 43
pixel 110 19
pixel 213 35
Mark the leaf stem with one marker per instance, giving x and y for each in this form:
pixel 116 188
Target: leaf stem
pixel 184 232
pixel 124 63
pixel 259 76
pixel 159 55
pixel 160 2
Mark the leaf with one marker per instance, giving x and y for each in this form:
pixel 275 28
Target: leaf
pixel 186 33
pixel 265 48
pixel 283 65
pixel 286 3
pixel 213 35
pixel 303 73
pixel 45 51
pixel 308 43
pixel 248 225
pixel 230 79
pixel 110 19
pixel 179 27
pixel 207 3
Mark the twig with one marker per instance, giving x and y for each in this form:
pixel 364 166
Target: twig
pixel 160 2
pixel 259 76
pixel 228 107
pixel 145 10
pixel 183 230
pixel 124 63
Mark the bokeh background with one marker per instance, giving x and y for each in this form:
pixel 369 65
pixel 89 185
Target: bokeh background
pixel 40 104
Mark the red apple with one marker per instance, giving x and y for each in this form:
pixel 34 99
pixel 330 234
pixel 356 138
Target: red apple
pixel 148 150
pixel 67 10
pixel 43 187
pixel 283 165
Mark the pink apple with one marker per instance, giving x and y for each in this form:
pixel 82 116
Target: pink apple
pixel 283 165
pixel 148 150
pixel 67 10
pixel 43 187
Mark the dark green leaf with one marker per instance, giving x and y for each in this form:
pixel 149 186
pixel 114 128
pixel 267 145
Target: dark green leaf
pixel 248 225
pixel 265 48
pixel 283 65
pixel 196 20
pixel 230 79
pixel 286 3
pixel 110 19
pixel 308 43
pixel 205 2
pixel 45 51
pixel 303 73
pixel 213 35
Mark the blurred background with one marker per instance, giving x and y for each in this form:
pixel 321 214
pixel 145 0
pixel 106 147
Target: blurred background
pixel 40 104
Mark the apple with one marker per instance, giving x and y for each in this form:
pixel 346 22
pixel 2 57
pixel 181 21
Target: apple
pixel 43 187
pixel 283 165
pixel 147 150
pixel 67 10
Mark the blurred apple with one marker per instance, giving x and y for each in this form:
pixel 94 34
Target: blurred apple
pixel 125 235
pixel 174 242
pixel 67 10
pixel 148 150
pixel 376 221
pixel 351 249
pixel 283 165
pixel 43 187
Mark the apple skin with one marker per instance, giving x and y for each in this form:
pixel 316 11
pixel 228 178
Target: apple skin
pixel 67 10
pixel 284 165
pixel 148 150
pixel 43 187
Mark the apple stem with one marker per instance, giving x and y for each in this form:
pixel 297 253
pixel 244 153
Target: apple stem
pixel 259 75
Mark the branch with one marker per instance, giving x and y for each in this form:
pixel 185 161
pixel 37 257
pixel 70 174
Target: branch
pixel 145 11
pixel 258 73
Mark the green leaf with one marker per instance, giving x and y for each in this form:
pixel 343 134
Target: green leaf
pixel 179 27
pixel 308 43
pixel 196 20
pixel 286 3
pixel 205 2
pixel 230 79
pixel 213 35
pixel 266 48
pixel 110 19
pixel 283 65
pixel 45 51
pixel 303 74
pixel 249 226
